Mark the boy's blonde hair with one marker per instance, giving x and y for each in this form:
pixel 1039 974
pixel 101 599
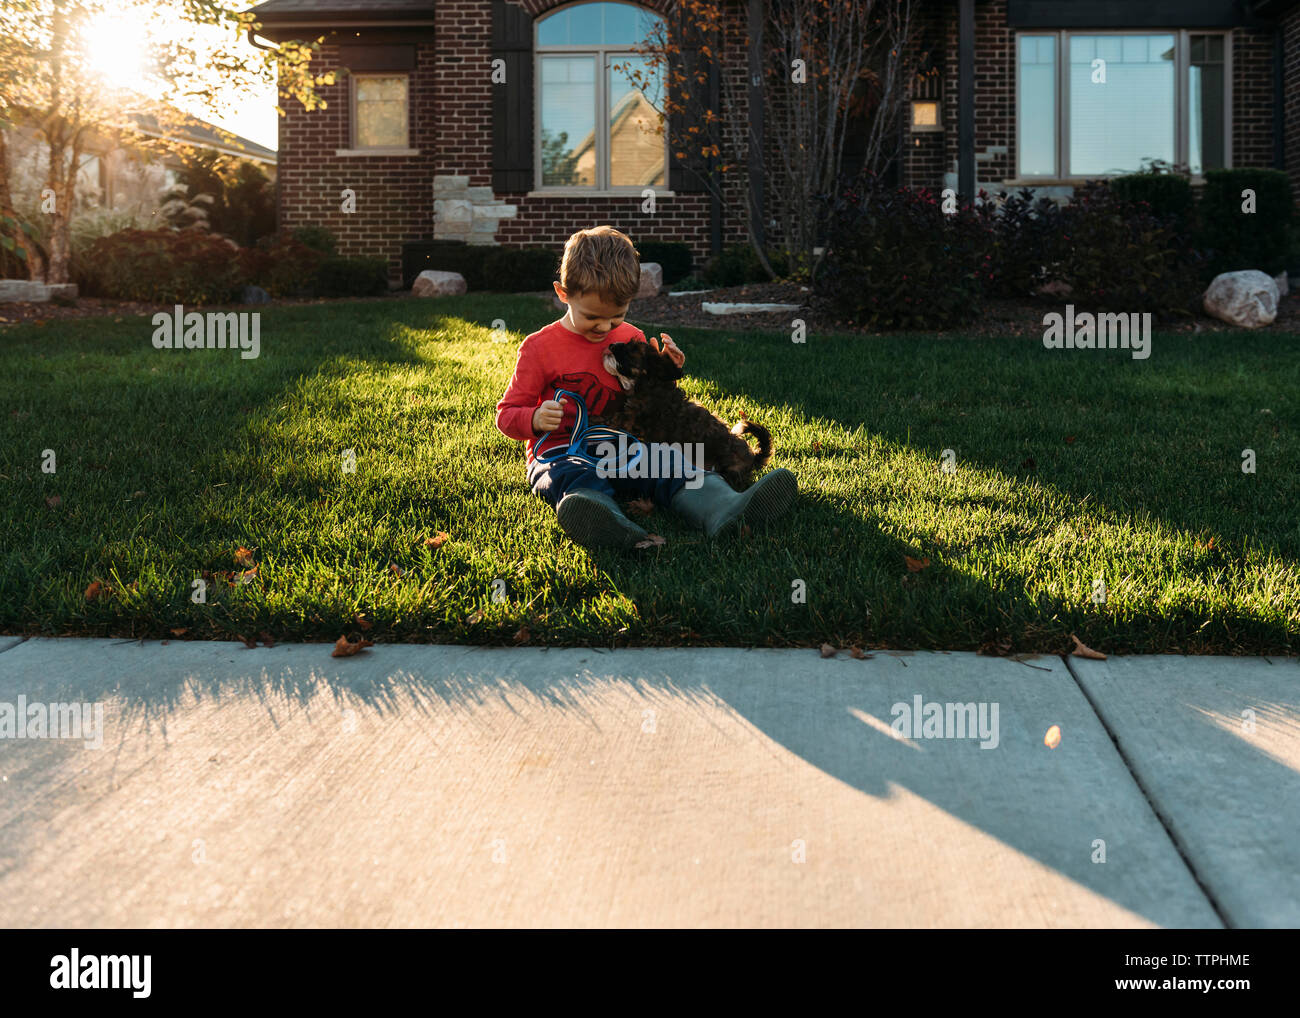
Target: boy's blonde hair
pixel 602 261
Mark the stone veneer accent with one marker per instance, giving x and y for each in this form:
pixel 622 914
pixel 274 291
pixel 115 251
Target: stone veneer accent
pixel 471 214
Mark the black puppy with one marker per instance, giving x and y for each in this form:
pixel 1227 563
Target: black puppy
pixel 655 410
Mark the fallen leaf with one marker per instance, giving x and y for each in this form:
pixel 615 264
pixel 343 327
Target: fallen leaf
pixel 344 647
pixel 98 591
pixel 180 631
pixel 640 507
pixel 915 565
pixel 476 618
pixel 816 446
pixel 53 501
pixel 137 494
pixel 164 643
pixel 1053 737
pixel 266 639
pixel 1069 440
pixel 652 541
pixel 244 578
pixel 437 540
pixel 1209 545
pixel 828 650
pixel 243 557
pixel 522 635
pixel 1081 650
pixel 361 620
pixel 250 644
pixel 396 570
pixel 745 531
pixel 860 654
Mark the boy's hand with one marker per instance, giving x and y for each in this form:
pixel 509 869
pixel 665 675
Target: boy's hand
pixel 548 416
pixel 671 349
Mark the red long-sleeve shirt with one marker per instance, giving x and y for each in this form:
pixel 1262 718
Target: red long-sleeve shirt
pixel 557 358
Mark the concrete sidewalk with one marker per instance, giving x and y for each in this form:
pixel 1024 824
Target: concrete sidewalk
pixel 455 786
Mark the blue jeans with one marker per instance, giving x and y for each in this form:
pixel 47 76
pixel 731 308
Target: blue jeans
pixel 552 481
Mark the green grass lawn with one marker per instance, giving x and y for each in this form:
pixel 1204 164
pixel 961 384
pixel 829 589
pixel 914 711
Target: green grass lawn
pixel 1070 466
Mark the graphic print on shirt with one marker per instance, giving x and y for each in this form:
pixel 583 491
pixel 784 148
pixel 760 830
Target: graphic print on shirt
pixel 597 397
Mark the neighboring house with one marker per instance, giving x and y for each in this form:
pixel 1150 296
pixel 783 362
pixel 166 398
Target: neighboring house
pixel 115 175
pixel 1006 93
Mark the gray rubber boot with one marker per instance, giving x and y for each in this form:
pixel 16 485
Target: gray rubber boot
pixel 716 506
pixel 594 520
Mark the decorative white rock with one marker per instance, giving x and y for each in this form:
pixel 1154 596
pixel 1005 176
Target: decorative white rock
pixel 652 280
pixel 432 283
pixel 745 309
pixel 1283 284
pixel 1247 298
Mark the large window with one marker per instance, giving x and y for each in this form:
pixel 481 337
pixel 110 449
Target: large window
pixel 379 111
pixel 1099 104
pixel 597 128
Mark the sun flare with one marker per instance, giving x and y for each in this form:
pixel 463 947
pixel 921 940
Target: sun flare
pixel 116 49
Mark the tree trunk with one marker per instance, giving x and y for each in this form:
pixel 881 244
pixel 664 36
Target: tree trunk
pixel 60 218
pixel 35 263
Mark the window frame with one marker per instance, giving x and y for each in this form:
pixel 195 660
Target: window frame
pixel 1182 97
pixel 610 53
pixel 354 146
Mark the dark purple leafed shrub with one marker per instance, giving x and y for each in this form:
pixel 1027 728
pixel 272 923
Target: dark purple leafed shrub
pixel 282 265
pixel 1026 241
pixel 896 260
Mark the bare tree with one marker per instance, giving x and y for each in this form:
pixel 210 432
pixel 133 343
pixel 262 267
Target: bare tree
pixel 829 66
pixel 834 66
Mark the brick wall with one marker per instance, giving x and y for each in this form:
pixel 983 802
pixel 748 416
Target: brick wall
pixel 1291 112
pixel 1252 98
pixel 394 194
pixel 451 126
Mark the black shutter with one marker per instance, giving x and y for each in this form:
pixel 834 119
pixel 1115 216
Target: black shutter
pixel 512 101
pixel 688 175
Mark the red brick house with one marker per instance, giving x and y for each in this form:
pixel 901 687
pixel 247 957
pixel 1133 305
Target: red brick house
pixel 500 121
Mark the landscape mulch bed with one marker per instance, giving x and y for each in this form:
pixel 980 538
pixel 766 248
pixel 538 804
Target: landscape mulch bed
pixel 1000 318
pixel 91 307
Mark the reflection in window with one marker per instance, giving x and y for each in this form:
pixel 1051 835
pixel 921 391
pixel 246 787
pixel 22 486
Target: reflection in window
pixel 381 114
pixel 1037 104
pixel 598 127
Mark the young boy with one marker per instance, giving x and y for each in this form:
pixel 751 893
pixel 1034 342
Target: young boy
pixel 599 276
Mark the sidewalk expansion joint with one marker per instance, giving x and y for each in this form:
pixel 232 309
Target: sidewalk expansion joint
pixel 1164 820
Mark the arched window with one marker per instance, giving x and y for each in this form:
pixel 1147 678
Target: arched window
pixel 596 128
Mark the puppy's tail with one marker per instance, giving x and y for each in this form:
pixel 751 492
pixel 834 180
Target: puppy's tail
pixel 748 427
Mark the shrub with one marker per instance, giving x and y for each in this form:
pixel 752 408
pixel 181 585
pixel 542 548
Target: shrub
pixel 739 264
pixel 281 265
pixel 351 277
pixel 1122 256
pixel 164 267
pixel 1168 194
pixel 318 238
pixel 896 260
pixel 1025 235
pixel 1233 239
pixel 520 269
pixel 241 196
pixel 673 257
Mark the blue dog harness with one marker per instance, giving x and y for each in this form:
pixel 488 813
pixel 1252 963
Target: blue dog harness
pixel 584 434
